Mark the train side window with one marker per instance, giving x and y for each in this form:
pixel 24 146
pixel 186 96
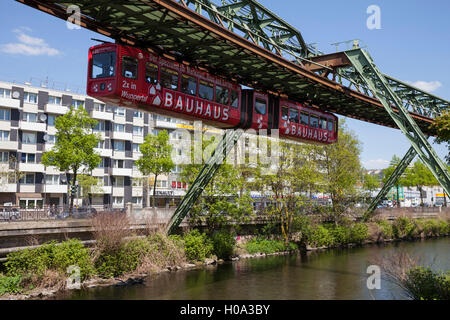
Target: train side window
pixel 314 122
pixel 304 119
pixel 188 85
pixel 206 90
pixel 103 65
pixel 129 67
pixel 222 95
pixel 234 99
pixel 284 113
pixel 323 123
pixel 260 106
pixel 330 125
pixel 169 78
pixel 151 73
pixel 293 115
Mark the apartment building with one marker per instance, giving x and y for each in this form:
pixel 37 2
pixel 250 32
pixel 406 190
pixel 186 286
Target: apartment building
pixel 27 130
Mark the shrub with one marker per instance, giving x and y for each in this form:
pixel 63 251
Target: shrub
pixel 424 284
pixel 386 229
pixel 10 284
pixel 267 246
pixel 359 232
pixel 341 234
pixel 197 246
pixel 223 244
pixel 444 227
pixel 404 227
pixel 72 252
pixel 320 236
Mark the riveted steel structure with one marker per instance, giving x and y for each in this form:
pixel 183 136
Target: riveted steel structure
pixel 243 41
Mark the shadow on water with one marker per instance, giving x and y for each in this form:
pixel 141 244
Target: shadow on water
pixel 329 274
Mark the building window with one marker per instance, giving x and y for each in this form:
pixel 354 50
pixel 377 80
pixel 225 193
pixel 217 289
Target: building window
pixel 77 103
pixel 119 164
pixel 100 126
pixel 137 182
pixel 118 182
pixel 137 200
pixel 161 184
pixel 102 163
pixel 138 114
pixel 4 156
pixel 4 135
pixel 119 146
pixel 27 158
pixel 5 114
pixel 51 120
pixel 138 131
pixel 119 127
pixel 99 107
pixel 136 147
pixel 51 139
pixel 101 144
pixel 27 178
pixel 119 111
pixel 52 179
pixel 29 117
pixel 54 100
pixel 29 138
pixel 29 97
pixel 155 132
pixel 118 200
pixel 31 203
pixel 5 93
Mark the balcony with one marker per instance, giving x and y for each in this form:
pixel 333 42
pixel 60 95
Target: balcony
pixel 31 167
pixel 138 139
pixel 48 146
pixel 98 172
pixel 10 187
pixel 9 145
pixel 10 103
pixel 165 124
pixel 32 126
pixel 137 191
pixel 102 190
pixel 104 152
pixel 57 188
pixel 27 188
pixel 116 135
pixel 55 108
pixel 102 115
pixel 118 191
pixel 121 172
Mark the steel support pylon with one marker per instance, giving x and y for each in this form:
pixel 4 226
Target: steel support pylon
pixel 379 85
pixel 195 190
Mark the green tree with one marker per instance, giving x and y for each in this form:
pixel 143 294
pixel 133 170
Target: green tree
pixel 343 170
pixel 74 147
pixel 400 181
pixel 89 185
pixel 442 127
pixel 225 197
pixel 156 159
pixel 370 183
pixel 419 176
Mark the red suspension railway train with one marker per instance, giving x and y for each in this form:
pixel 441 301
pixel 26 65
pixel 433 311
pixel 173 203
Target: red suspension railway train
pixel 127 76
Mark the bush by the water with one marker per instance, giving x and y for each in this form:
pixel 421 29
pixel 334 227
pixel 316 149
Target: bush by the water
pixel 386 229
pixel 10 284
pixel 197 246
pixel 223 244
pixel 50 256
pixel 425 284
pixel 327 235
pixel 404 227
pixel 268 246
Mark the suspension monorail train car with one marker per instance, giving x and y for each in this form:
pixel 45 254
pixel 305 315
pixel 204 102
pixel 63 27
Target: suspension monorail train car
pixel 130 77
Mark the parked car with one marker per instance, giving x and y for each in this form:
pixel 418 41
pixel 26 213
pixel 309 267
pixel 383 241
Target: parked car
pixel 9 214
pixel 84 212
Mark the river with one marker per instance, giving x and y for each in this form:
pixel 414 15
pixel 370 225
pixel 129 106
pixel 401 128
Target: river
pixel 328 274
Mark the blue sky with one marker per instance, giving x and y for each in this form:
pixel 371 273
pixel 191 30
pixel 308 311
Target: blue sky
pixel 412 45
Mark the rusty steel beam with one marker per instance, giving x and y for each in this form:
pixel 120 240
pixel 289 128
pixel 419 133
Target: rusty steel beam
pixel 327 61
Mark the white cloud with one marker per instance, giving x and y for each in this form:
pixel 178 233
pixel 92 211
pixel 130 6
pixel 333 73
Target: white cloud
pixel 376 164
pixel 28 45
pixel 429 86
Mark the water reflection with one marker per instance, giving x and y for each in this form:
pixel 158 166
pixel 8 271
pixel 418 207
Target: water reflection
pixel 332 274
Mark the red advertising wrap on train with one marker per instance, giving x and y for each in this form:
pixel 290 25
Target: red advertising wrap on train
pixel 130 77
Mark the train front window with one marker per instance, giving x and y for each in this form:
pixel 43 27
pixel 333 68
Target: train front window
pixel 129 67
pixel 260 106
pixel 284 113
pixel 151 73
pixel 188 85
pixel 330 125
pixel 222 95
pixel 169 79
pixel 293 115
pixel 234 99
pixel 304 119
pixel 206 90
pixel 323 123
pixel 103 65
pixel 314 122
